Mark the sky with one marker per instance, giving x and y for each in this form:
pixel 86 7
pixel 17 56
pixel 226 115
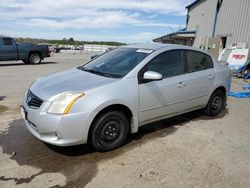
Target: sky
pixel 129 21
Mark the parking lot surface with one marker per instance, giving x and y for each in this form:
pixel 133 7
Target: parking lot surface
pixel 191 150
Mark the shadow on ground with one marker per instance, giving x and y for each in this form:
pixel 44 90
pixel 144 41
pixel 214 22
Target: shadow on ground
pixel 78 163
pixel 22 64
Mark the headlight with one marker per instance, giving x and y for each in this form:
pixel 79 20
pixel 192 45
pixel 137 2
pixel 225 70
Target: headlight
pixel 63 103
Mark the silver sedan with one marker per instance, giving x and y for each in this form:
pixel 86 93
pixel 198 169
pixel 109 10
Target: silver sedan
pixel 114 94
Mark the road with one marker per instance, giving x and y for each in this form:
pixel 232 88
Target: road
pixel 191 150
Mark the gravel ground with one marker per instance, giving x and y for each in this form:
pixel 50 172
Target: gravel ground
pixel 191 150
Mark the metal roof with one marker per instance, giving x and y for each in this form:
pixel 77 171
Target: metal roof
pixel 182 31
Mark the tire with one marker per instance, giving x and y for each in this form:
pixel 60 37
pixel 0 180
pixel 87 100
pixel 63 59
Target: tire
pixel 35 58
pixel 26 61
pixel 216 103
pixel 109 131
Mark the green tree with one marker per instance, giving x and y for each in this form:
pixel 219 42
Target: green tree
pixel 71 41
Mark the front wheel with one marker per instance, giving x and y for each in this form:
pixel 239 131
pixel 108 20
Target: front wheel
pixel 109 131
pixel 35 58
pixel 216 104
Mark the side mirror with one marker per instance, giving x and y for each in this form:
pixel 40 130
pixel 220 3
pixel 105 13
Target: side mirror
pixel 152 76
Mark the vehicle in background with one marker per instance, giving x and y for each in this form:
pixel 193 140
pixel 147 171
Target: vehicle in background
pixel 27 52
pixel 119 91
pixel 234 58
pixel 54 49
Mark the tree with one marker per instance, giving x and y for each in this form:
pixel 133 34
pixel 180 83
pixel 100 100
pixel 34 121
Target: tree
pixel 71 41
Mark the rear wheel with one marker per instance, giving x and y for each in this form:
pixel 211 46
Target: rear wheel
pixel 35 58
pixel 216 104
pixel 109 131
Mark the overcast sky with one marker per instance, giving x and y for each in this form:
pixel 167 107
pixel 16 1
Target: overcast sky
pixel 130 21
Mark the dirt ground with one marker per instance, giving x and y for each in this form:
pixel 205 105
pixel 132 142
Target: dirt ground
pixel 191 150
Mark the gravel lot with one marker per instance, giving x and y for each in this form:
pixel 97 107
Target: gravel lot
pixel 191 150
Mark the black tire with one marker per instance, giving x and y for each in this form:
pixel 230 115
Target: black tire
pixel 26 61
pixel 109 131
pixel 216 103
pixel 35 58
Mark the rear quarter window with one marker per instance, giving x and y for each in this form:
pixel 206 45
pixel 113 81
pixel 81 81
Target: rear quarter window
pixel 198 61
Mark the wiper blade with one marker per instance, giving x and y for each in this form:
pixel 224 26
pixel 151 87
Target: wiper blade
pixel 103 74
pixel 80 68
pixel 97 72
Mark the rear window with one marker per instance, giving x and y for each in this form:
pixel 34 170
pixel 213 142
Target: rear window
pixel 7 41
pixel 198 61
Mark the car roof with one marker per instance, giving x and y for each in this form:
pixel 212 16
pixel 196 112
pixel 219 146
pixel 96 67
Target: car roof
pixel 151 46
pixel 156 46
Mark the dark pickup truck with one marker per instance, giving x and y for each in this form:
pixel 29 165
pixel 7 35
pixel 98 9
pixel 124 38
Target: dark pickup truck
pixel 27 52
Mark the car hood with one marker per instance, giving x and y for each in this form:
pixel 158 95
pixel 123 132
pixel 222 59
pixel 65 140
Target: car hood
pixel 70 80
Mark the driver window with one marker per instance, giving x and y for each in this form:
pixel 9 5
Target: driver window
pixel 169 63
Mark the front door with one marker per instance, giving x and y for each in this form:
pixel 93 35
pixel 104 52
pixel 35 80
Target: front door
pixel 167 96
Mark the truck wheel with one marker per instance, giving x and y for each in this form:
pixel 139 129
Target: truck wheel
pixel 216 104
pixel 109 131
pixel 26 61
pixel 35 58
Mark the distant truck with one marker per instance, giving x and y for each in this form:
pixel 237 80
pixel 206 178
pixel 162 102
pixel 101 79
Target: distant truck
pixel 27 52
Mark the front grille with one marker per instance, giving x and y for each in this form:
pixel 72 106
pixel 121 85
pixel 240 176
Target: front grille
pixel 33 101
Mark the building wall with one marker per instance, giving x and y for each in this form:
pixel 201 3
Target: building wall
pixel 234 21
pixel 201 18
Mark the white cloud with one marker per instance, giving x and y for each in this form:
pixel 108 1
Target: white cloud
pixel 59 15
pixel 86 9
pixel 65 7
pixel 103 20
pixel 98 20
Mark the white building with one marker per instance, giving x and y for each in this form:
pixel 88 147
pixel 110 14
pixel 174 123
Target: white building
pixel 214 25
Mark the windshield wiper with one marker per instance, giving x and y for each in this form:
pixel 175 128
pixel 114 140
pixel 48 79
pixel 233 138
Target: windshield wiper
pixel 96 72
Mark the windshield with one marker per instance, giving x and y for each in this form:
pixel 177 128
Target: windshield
pixel 116 63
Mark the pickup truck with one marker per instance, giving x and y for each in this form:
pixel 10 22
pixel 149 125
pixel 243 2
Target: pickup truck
pixel 27 52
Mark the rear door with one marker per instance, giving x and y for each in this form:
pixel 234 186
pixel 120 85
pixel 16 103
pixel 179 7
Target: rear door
pixel 8 49
pixel 167 96
pixel 201 78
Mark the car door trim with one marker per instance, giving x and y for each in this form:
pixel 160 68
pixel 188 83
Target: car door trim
pixel 161 106
pixel 198 96
pixel 153 108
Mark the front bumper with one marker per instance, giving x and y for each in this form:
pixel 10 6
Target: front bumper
pixel 60 130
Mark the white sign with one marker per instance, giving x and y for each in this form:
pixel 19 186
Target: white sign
pixel 144 51
pixel 234 58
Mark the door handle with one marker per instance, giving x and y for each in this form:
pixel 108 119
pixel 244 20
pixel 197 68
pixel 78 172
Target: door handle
pixel 210 76
pixel 181 84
